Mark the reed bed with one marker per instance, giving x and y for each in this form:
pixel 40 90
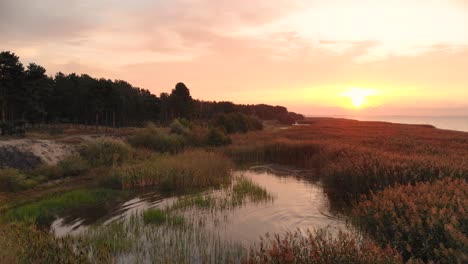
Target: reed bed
pixel 188 170
pixel 427 221
pixel 319 247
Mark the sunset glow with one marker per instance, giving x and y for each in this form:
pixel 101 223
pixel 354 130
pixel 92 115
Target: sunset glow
pixel 358 96
pixel 259 51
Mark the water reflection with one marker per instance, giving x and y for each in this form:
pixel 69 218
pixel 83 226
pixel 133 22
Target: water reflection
pixel 299 203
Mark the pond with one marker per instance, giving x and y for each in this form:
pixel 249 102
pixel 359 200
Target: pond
pixel 297 202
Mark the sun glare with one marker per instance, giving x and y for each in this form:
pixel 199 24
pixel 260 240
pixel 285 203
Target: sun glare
pixel 358 96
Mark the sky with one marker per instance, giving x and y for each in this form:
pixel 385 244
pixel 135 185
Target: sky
pixel 316 57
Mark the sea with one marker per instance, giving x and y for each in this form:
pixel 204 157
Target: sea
pixel 458 123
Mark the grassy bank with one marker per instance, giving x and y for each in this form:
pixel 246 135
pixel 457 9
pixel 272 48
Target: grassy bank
pixel 46 209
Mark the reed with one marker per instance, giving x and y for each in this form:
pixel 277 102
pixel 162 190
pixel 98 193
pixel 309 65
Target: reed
pixel 188 170
pixel 319 247
pixel 426 221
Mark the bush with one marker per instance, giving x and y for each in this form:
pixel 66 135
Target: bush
pixel 179 128
pixel 217 137
pixel 106 152
pixel 320 247
pixel 427 221
pixel 188 170
pixel 73 166
pixel 237 123
pixel 13 180
pixel 157 140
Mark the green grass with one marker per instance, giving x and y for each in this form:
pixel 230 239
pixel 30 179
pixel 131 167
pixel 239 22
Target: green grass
pixel 242 191
pixel 157 216
pixel 46 209
pixel 246 189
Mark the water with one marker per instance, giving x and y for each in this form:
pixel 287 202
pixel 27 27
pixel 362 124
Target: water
pixel 459 123
pixel 298 203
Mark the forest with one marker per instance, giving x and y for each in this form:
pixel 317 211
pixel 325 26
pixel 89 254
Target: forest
pixel 29 96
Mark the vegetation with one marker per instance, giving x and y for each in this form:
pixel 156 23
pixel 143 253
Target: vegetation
pixel 321 247
pixel 157 216
pixel 237 123
pixel 106 152
pixel 27 244
pixel 245 188
pixel 188 170
pixel 31 96
pixel 44 210
pixel 217 137
pixel 156 139
pixel 12 180
pixel 427 221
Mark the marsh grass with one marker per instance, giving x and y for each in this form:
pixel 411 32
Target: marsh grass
pixel 245 188
pixel 106 152
pixel 13 180
pixel 240 192
pixel 427 221
pixel 321 247
pixel 158 216
pixel 44 210
pixel 186 171
pixel 26 244
pixel 135 241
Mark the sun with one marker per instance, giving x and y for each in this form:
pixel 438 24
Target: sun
pixel 358 96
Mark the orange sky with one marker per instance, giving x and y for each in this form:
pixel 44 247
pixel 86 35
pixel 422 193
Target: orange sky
pixel 313 56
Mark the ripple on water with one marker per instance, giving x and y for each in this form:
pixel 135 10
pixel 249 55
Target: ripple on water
pixel 299 204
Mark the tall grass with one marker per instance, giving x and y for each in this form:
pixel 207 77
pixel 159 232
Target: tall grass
pixel 106 152
pixel 13 180
pixel 320 247
pixel 427 221
pixel 27 244
pixel 188 170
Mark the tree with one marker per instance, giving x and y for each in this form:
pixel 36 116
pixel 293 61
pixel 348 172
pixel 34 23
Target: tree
pixel 181 102
pixel 11 75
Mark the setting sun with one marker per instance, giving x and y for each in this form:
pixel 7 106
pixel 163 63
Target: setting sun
pixel 358 96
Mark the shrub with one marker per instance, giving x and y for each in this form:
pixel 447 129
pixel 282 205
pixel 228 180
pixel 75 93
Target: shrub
pixel 320 247
pixel 13 180
pixel 179 128
pixel 237 123
pixel 217 137
pixel 73 166
pixel 427 221
pixel 157 140
pixel 188 170
pixel 106 152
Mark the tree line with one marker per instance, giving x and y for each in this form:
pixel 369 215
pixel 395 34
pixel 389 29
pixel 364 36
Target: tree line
pixel 28 95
